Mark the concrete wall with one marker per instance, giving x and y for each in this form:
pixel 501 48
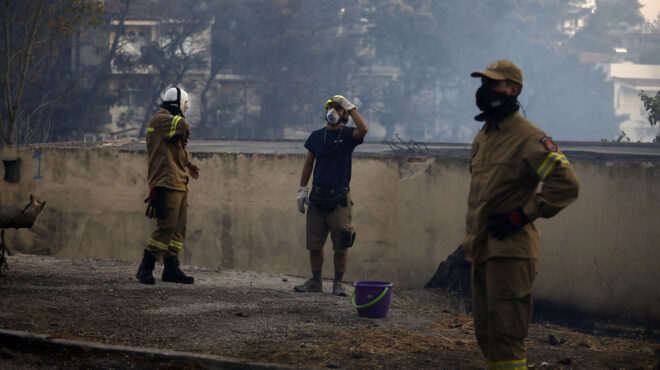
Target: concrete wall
pixel 599 254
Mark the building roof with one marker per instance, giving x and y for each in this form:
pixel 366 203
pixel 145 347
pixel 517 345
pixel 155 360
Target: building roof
pixel 636 76
pixel 635 71
pixel 587 57
pixel 160 10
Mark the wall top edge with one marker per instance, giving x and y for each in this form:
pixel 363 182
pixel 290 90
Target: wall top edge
pixel 580 151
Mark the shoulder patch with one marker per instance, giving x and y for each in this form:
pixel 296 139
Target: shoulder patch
pixel 549 144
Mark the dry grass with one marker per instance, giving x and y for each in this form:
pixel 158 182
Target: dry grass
pixel 368 344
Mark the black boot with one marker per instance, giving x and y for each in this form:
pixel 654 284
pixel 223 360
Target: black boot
pixel 173 274
pixel 146 268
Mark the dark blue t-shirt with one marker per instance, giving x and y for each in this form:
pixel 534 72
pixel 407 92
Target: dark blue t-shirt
pixel 333 157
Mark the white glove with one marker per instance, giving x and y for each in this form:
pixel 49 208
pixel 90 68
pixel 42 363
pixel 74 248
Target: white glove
pixel 303 198
pixel 347 105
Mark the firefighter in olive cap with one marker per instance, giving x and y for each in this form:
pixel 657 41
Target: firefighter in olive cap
pixel 510 158
pixel 169 169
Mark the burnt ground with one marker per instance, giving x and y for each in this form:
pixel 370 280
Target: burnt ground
pixel 256 317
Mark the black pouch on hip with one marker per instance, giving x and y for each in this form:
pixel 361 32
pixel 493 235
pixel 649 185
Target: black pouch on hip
pixel 347 238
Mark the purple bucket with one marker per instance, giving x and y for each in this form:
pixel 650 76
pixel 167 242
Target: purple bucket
pixel 372 298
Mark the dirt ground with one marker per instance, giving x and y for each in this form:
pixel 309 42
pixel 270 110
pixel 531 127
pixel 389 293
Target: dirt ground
pixel 257 317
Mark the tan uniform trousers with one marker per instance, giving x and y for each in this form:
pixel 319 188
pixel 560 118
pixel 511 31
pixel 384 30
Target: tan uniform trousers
pixel 170 231
pixel 502 309
pixel 337 223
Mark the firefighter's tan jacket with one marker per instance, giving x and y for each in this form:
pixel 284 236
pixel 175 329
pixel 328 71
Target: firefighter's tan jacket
pixel 168 158
pixel 508 162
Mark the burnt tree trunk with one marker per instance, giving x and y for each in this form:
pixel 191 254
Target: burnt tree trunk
pixel 17 218
pixel 21 217
pixel 453 274
pixel 3 260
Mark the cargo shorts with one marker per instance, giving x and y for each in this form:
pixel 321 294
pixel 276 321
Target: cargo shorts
pixel 337 223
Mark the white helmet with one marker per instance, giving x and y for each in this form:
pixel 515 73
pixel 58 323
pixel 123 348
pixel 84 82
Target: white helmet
pixel 178 97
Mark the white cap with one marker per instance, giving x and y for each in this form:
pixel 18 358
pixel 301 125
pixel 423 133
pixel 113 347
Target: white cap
pixel 173 93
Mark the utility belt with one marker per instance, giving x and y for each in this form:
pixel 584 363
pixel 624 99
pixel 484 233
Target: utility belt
pixel 327 200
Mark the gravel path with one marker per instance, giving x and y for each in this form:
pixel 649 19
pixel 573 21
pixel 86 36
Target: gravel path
pixel 257 317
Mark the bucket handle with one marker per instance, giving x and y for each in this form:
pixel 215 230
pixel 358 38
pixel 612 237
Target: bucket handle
pixel 370 303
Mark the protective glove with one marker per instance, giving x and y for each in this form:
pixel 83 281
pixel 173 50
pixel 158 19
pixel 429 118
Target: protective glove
pixel 347 105
pixel 303 198
pixel 155 204
pixel 501 224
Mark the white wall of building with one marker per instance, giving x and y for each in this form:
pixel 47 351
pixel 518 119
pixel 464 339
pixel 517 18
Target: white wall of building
pixel 629 81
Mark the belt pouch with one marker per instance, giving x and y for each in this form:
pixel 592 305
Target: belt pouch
pixel 327 200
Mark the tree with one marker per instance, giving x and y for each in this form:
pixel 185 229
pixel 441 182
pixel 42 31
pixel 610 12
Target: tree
pixel 652 107
pixel 273 63
pixel 171 58
pixel 609 16
pixel 650 54
pixel 151 65
pixel 289 56
pixel 432 96
pixel 407 62
pixel 31 34
pixel 224 109
pixel 94 97
pixel 83 75
pixel 415 46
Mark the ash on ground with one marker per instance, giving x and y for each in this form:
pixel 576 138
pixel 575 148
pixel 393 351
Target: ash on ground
pixel 257 317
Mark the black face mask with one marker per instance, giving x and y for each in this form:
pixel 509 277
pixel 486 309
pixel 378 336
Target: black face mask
pixel 494 105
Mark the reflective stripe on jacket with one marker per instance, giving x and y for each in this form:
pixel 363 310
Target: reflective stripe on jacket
pixel 508 162
pixel 167 155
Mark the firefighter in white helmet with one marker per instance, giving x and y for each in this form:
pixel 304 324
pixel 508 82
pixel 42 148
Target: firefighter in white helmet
pixel 169 171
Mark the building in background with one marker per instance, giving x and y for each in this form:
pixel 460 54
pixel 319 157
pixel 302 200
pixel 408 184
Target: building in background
pixel 143 48
pixel 628 81
pixel 632 66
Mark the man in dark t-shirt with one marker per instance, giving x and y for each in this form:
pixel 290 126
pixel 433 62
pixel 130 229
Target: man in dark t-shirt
pixel 330 208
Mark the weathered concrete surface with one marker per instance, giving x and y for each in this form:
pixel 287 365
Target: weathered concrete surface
pixel 256 317
pixel 129 355
pixel 409 214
